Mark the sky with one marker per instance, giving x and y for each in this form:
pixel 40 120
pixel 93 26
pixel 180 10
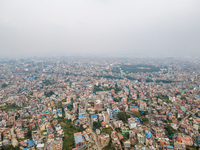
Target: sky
pixel 116 28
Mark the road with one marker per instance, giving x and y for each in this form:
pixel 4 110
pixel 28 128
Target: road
pixel 190 112
pixel 13 140
pixel 149 125
pixel 90 127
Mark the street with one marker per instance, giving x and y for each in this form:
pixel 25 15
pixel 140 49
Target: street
pixel 90 127
pixel 13 140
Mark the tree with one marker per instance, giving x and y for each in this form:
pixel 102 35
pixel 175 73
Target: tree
pixel 118 129
pixel 29 133
pixel 4 85
pixel 96 125
pixel 96 111
pixel 116 100
pixel 72 100
pixel 137 114
pixel 145 120
pixel 122 116
pixel 169 130
pixel 10 147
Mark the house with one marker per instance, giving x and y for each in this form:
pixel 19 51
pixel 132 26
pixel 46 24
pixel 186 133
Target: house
pixel 57 144
pixel 106 116
pixel 98 105
pixel 20 134
pixel 168 147
pixel 118 124
pixel 105 124
pixel 125 130
pixel 134 108
pixel 132 122
pixel 158 132
pixel 78 140
pixel 132 137
pixel 104 140
pixel 141 139
pixel 115 112
pixel 94 118
pixel 127 144
pixel 179 145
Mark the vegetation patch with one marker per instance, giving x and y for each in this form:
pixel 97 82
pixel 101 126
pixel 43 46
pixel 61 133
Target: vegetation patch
pixel 136 68
pixel 106 130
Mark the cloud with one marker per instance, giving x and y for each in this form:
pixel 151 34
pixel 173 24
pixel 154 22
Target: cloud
pixel 100 27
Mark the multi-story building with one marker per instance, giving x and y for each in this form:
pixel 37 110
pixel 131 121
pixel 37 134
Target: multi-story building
pixel 132 122
pixel 179 145
pixel 98 105
pixel 141 138
pixel 106 117
pixel 57 144
pixel 78 140
pixel 118 124
pixel 158 132
pixel 104 140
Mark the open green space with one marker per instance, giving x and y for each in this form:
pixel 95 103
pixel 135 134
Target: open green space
pixel 10 107
pixel 136 68
pixel 106 130
pixel 98 88
pixel 164 98
pixel 69 130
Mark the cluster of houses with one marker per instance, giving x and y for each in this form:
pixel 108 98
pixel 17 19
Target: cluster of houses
pixel 35 94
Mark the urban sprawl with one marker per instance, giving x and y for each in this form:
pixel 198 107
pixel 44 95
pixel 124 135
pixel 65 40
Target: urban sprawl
pixel 72 103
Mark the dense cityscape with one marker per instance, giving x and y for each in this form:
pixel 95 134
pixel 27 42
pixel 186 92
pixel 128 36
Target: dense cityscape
pixel 74 103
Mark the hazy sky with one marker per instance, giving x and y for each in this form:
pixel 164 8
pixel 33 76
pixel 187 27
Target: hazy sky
pixel 99 27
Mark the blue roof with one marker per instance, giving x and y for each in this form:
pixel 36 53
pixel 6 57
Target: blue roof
pixel 170 147
pixel 148 133
pixel 78 138
pixel 93 116
pixel 183 108
pixel 134 107
pixel 30 143
pixel 81 116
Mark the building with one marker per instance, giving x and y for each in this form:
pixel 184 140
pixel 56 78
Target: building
pixel 104 140
pixel 132 122
pixel 158 132
pixel 57 144
pixel 78 140
pixel 115 112
pixel 94 118
pixel 106 117
pixel 118 124
pixel 98 105
pixel 179 145
pixel 141 139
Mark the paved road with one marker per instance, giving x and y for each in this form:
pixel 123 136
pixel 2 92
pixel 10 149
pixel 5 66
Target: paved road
pixel 13 140
pixel 149 125
pixel 190 112
pixel 90 127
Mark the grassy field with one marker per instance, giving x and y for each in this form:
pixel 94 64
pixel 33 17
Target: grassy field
pixel 10 107
pixel 69 130
pixel 109 148
pixel 106 130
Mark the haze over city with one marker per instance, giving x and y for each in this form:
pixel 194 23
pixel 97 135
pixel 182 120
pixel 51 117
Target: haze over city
pixel 99 75
pixel 100 28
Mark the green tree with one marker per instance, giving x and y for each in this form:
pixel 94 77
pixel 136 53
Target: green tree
pixel 145 120
pixel 122 116
pixel 96 125
pixel 4 85
pixel 137 114
pixel 116 100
